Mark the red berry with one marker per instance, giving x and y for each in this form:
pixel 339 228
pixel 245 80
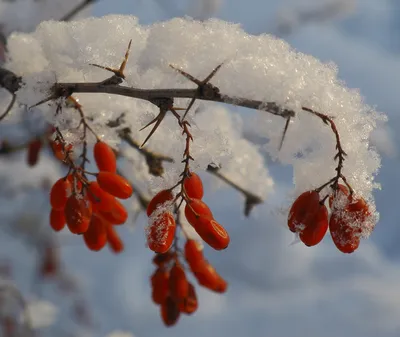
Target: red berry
pixel 339 193
pixel 196 209
pixel 160 285
pixel 210 279
pixel 57 219
pixel 161 233
pixel 178 283
pixel 59 150
pixel 316 227
pixel 189 304
pixel 114 241
pixel 33 151
pixel 346 224
pixel 302 207
pixel 101 200
pixel 193 186
pixel 117 215
pixel 159 199
pixel 194 255
pixel 96 236
pixel 345 237
pixel 78 211
pixel 169 312
pixel 212 233
pixel 104 157
pixel 114 184
pixel 59 193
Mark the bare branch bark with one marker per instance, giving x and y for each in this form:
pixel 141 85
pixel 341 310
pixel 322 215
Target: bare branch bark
pixel 206 93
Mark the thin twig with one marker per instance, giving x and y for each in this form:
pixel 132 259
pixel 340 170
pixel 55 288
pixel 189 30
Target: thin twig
pixel 80 7
pixel 340 155
pixel 251 199
pixel 154 160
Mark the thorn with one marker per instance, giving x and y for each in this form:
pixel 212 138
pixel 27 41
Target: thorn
pixel 212 74
pixel 151 122
pixel 188 76
pixel 198 82
pixel 156 120
pixel 43 101
pixel 284 132
pixel 188 108
pixel 123 64
pixel 120 71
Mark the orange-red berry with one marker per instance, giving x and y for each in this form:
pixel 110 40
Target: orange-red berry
pixel 114 240
pixel 346 224
pixel 212 233
pixel 189 304
pixel 196 209
pixel 59 150
pixel 104 157
pixel 315 227
pixel 161 233
pixel 78 212
pixel 59 193
pixel 178 283
pixel 194 255
pixel 160 285
pixel 302 207
pixel 96 236
pixel 341 191
pixel 114 184
pixel 169 312
pixel 210 279
pixel 193 186
pixel 33 152
pixel 57 219
pixel 344 236
pixel 117 215
pixel 159 199
pixel 101 200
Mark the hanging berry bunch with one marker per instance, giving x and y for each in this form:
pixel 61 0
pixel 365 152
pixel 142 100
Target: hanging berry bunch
pixel 171 288
pixel 349 215
pixel 90 208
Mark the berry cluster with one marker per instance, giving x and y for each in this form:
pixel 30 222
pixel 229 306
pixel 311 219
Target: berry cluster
pixel 171 289
pixel 88 207
pixel 308 217
pixel 161 231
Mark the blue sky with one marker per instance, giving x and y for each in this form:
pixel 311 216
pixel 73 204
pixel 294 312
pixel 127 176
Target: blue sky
pixel 277 289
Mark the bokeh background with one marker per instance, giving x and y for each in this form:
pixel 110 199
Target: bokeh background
pixel 276 288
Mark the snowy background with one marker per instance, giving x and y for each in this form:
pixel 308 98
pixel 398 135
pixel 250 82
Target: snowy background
pixel 275 288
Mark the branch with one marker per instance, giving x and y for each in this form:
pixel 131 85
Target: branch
pixel 10 81
pixel 77 9
pixel 208 92
pixel 251 199
pixel 154 160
